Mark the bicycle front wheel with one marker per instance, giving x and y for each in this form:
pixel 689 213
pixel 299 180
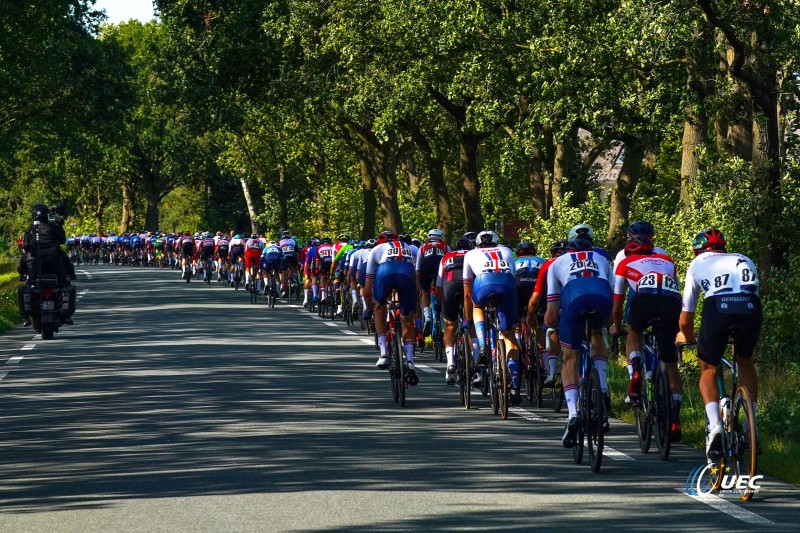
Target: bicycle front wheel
pixel 643 417
pixel 595 408
pixel 663 411
pixel 504 379
pixel 745 438
pixel 398 341
pixel 467 366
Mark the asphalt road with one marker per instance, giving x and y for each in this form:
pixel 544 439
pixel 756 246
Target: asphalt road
pixel 182 407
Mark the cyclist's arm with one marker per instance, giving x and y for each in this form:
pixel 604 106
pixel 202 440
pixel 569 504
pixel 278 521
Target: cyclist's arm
pixel 686 325
pixel 553 297
pixel 690 298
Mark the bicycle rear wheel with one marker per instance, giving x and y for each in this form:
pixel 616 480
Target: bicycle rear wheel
pixel 594 409
pixel 398 341
pixel 663 411
pixel 394 372
pixel 494 379
pixel 466 368
pixel 643 417
pixel 558 394
pixel 577 450
pixel 504 381
pixel 745 438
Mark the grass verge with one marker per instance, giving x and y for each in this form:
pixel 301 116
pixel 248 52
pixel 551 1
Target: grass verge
pixel 777 408
pixel 9 313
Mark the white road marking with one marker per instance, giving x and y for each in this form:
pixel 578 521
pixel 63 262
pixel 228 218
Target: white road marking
pixel 87 274
pixel 426 368
pixel 367 341
pixel 28 347
pixel 616 455
pixel 331 324
pixel 348 332
pixel 730 509
pixel 36 338
pixel 84 291
pixel 293 305
pixel 524 413
pixel 315 317
pixel 14 360
pixel 3 375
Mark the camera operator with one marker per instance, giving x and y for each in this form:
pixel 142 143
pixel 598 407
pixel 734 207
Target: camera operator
pixel 42 242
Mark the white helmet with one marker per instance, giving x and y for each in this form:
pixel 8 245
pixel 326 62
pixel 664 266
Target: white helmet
pixel 487 238
pixel 272 243
pixel 435 235
pixel 581 230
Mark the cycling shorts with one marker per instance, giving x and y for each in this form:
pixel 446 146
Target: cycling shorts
pixel 428 271
pixel 397 275
pixel 325 267
pixel 251 257
pixel 452 298
pixel 645 307
pixel 187 250
pixel 290 261
pixel 525 286
pixel 271 261
pixel 236 255
pixel 222 253
pixel 577 296
pixel 500 288
pixel 721 312
pixel 207 253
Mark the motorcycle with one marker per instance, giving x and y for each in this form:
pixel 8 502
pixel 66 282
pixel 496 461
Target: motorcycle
pixel 47 304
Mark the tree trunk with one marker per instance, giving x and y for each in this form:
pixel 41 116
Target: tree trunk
pixel 370 203
pixel 536 183
pixel 740 128
pixel 250 207
pixel 439 192
pixel 693 139
pixel 386 179
pixel 621 195
pixel 470 186
pixel 128 208
pixel 564 165
pixel 283 199
pixel 151 218
pixel 98 212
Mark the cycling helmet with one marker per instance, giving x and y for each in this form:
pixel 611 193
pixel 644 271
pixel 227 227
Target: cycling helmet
pixel 639 245
pixel 237 236
pixel 387 235
pixel 343 237
pixel 326 240
pixel 417 243
pixel 579 244
pixel 463 244
pixel 526 248
pixel 709 239
pixel 273 243
pixel 254 235
pixel 581 230
pixel 286 234
pixel 207 235
pixel 435 235
pixel 219 234
pixel 405 239
pixel 487 238
pixel 39 212
pixel 185 232
pixel 640 227
pixel 314 241
pixel 196 234
pixel 370 243
pixel 557 248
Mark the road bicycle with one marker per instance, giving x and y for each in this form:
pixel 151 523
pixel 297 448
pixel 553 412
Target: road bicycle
pixel 740 443
pixel 591 405
pixel 397 357
pixel 270 289
pixel 465 365
pixel 499 376
pixel 532 372
pixel 557 387
pixel 654 406
pixel 437 332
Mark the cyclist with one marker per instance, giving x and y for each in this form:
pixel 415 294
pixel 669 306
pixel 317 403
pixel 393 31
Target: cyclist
pixel 729 282
pixel 324 262
pixel 310 270
pixel 289 248
pixel 654 293
pixel 450 294
pixel 236 252
pixel 252 257
pixel 186 243
pixel 271 259
pixel 206 254
pixel 341 249
pixel 489 275
pixel 390 266
pixel 582 230
pixel 360 271
pixel 429 258
pixel 578 281
pixel 536 309
pixel 223 249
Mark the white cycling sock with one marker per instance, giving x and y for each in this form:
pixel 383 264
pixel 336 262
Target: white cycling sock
pixel 518 335
pixel 631 357
pixel 600 363
pixel 712 413
pixel 476 350
pixel 552 364
pixel 409 349
pixel 315 290
pixel 382 344
pixel 450 353
pixel 426 312
pixel 571 396
pixel 305 292
pixel 354 294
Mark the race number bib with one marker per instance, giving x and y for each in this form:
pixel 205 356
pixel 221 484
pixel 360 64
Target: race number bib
pixel 433 251
pixel 658 282
pixel 496 265
pixel 584 265
pixel 288 249
pixel 398 253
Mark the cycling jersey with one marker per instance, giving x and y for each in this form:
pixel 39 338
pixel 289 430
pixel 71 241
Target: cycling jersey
pixel 186 243
pixel 730 284
pixel 646 274
pixel 582 282
pixel 527 272
pixel 290 252
pixel 391 265
pixel 324 255
pixel 428 260
pixel 450 277
pixel 491 273
pixel 223 246
pixel 206 248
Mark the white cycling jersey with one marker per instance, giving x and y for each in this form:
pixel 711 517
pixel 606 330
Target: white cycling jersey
pixel 388 251
pixel 621 255
pixel 496 259
pixel 574 265
pixel 716 273
pixel 254 244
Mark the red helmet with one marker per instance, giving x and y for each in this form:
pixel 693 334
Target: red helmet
pixel 639 245
pixel 387 235
pixel 709 239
